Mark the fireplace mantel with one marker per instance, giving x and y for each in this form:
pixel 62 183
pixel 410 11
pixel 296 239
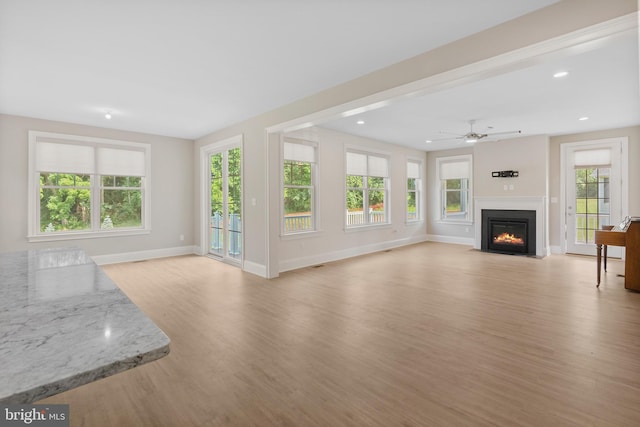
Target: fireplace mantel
pixel 539 204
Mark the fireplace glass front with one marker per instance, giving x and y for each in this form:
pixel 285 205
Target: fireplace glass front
pixel 508 236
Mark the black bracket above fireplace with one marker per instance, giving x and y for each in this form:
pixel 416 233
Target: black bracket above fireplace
pixel 504 174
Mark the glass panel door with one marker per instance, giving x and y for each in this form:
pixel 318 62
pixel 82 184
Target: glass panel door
pixel 216 244
pixel 593 172
pixel 592 202
pixel 225 224
pixel 234 203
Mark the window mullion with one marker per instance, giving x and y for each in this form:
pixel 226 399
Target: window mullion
pixel 365 199
pixel 444 192
pixel 37 189
pixel 225 202
pixel 95 201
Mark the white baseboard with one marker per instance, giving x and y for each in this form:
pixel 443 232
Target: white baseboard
pixel 556 250
pixel 308 261
pixel 255 268
pixel 250 267
pixel 469 241
pixel 144 255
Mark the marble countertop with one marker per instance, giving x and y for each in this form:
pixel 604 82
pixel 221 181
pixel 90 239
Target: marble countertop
pixel 64 323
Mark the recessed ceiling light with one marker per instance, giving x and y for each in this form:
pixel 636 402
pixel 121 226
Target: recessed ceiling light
pixel 107 116
pixel 360 122
pixel 582 119
pixel 560 74
pixel 428 141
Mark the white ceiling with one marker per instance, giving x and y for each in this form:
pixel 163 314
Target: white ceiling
pixel 602 85
pixel 186 68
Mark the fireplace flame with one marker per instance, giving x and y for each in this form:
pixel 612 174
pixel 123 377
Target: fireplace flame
pixel 508 239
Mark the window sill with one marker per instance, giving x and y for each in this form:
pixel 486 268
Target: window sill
pixel 85 235
pixel 366 227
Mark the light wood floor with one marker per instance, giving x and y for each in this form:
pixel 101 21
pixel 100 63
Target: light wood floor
pixel 427 335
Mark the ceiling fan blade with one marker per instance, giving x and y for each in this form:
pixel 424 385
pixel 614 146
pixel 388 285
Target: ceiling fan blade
pixel 504 133
pixel 471 136
pixel 451 138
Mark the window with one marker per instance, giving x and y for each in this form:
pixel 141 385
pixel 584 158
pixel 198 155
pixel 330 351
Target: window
pixel 299 186
pixel 81 186
pixel 455 188
pixel 414 191
pixel 367 177
pixel 592 191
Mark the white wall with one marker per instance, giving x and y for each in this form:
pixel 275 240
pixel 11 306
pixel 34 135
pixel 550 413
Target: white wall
pixel 333 242
pixel 172 195
pixel 527 155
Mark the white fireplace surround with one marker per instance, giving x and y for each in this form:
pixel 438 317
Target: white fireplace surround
pixel 538 204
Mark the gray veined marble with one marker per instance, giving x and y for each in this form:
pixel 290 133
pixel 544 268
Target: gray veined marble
pixel 64 323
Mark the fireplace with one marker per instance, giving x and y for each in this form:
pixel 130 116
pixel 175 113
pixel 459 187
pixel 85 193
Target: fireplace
pixel 509 231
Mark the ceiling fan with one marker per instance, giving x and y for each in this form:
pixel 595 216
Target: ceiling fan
pixel 472 136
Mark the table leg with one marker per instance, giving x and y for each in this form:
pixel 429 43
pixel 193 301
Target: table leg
pixel 599 256
pixel 605 258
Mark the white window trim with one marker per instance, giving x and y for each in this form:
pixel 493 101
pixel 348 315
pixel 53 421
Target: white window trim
pixel 438 187
pixel 419 193
pixel 372 152
pixel 315 203
pixel 33 229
